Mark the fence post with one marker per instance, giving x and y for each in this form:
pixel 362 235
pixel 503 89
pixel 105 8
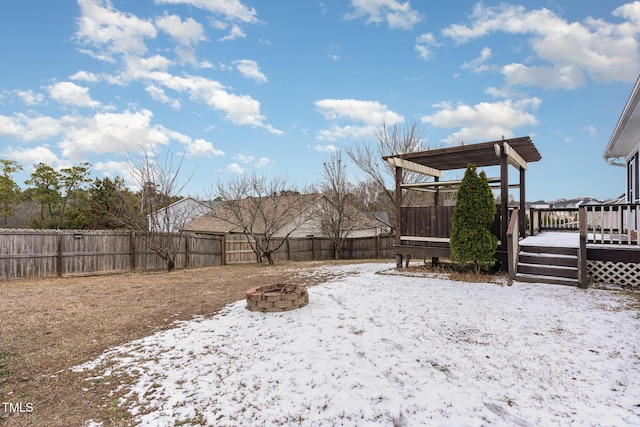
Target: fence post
pixel 186 251
pixel 59 254
pixel 288 249
pixel 132 250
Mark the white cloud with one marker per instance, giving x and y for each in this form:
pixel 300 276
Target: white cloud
pixel 232 12
pixel 27 128
pixel 235 33
pixel 424 44
pixel 478 65
pixel 263 162
pixel 112 133
pixel 69 93
pixel 371 113
pixel 85 76
pixel 29 97
pixel 159 95
pixel 327 148
pixel 568 52
pixel 250 69
pixel 200 148
pixel 484 121
pixel 251 159
pixel 33 155
pixel 231 9
pixel 245 159
pixel 110 31
pixel 235 168
pixel 591 130
pixel 186 33
pixel 102 133
pixel 395 13
pixel 113 168
pixel 239 109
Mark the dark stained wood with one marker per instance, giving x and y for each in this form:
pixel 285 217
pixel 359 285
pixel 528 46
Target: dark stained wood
pixel 614 254
pixel 481 155
pixel 398 203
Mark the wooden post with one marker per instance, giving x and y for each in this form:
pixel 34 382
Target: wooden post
pixel 186 251
pixel 504 198
pixel 398 213
pixel 583 279
pixel 288 249
pixel 59 255
pixel 523 201
pixel 513 249
pixel 436 202
pixel 313 249
pixel 223 249
pixel 132 250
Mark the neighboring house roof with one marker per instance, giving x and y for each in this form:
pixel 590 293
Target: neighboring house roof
pixel 282 214
pixel 626 135
pixel 379 219
pixel 281 210
pixel 172 217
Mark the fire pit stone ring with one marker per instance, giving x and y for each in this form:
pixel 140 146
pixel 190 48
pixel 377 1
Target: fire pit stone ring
pixel 276 298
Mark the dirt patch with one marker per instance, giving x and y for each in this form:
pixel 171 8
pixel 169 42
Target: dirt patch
pixel 458 273
pixel 51 325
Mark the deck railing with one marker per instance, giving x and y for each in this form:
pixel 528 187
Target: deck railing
pixel 614 224
pixel 555 219
pixel 433 223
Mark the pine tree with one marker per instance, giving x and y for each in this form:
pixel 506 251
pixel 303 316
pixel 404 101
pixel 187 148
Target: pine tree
pixel 471 238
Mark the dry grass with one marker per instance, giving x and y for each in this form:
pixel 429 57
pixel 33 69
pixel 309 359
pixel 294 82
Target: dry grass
pixel 51 325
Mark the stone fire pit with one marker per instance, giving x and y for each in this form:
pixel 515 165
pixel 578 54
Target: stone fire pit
pixel 276 298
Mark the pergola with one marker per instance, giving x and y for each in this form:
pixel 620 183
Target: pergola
pixel 517 152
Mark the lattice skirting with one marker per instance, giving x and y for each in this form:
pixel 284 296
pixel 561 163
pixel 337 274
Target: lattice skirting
pixel 614 273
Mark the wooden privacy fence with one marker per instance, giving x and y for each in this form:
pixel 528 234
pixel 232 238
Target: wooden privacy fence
pixel 238 249
pixel 45 253
pixel 320 248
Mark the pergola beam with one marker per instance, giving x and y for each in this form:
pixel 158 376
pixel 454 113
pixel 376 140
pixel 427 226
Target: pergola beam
pixel 413 167
pixel 443 183
pixel 513 157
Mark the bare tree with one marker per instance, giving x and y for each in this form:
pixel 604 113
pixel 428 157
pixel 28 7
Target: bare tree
pixel 262 208
pixel 159 185
pixel 335 217
pixel 368 158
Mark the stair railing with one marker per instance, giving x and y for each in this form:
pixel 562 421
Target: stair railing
pixel 513 244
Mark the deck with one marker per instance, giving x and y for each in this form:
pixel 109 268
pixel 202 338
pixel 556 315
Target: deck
pixel 562 239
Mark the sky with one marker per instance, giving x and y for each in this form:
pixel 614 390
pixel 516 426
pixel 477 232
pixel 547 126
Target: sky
pixel 274 88
pixel 382 349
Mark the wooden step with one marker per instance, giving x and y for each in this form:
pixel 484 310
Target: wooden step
pixel 548 264
pixel 548 259
pixel 549 270
pixel 556 250
pixel 533 278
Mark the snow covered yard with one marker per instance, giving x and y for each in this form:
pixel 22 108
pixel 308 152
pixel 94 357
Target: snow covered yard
pixel 382 349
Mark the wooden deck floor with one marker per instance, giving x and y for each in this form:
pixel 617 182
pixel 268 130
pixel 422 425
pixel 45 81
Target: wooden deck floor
pixel 560 239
